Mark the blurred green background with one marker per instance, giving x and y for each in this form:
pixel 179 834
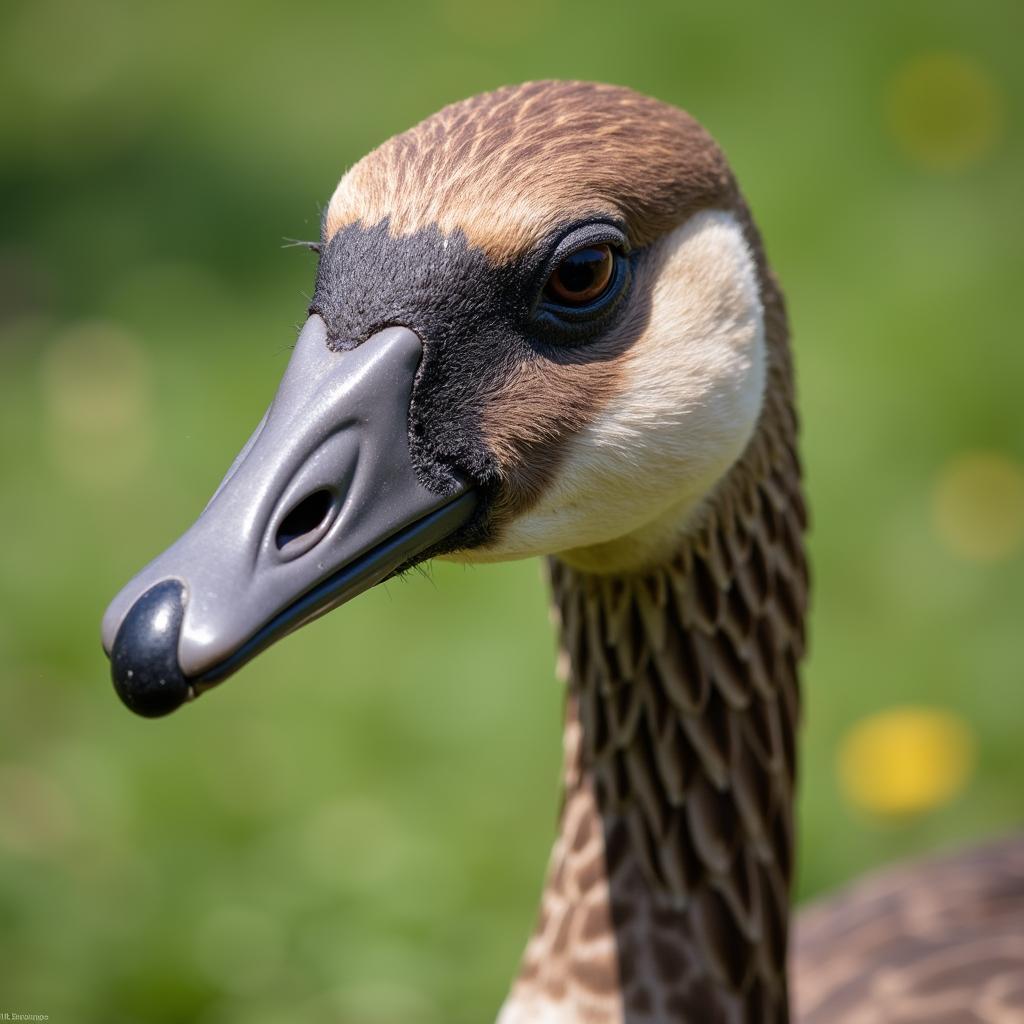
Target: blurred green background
pixel 355 829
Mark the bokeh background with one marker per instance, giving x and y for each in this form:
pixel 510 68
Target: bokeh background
pixel 355 829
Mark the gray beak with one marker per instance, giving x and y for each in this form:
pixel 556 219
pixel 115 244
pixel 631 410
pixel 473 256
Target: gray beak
pixel 321 504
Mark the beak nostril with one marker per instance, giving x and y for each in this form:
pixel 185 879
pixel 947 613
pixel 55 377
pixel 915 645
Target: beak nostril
pixel 304 519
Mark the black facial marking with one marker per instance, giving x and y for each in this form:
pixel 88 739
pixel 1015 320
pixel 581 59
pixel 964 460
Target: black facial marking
pixel 468 314
pixel 477 323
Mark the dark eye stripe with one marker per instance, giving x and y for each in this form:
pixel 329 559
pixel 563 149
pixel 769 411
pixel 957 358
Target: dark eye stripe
pixel 582 277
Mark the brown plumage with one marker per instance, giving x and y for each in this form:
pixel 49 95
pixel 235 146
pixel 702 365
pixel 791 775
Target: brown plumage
pixel 934 942
pixel 677 837
pixel 506 166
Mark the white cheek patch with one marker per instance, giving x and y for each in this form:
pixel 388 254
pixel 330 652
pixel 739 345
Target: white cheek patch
pixel 690 397
pixel 527 1008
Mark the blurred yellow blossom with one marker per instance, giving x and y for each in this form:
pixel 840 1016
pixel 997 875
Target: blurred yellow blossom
pixel 906 760
pixel 945 111
pixel 978 506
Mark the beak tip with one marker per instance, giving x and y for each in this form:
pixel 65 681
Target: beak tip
pixel 144 656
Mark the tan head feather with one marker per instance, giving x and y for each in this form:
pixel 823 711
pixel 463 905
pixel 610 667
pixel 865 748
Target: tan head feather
pixel 506 167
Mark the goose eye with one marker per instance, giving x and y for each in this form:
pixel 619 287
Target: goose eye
pixel 582 277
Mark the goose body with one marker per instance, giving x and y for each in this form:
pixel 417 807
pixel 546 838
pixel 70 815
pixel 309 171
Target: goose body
pixel 544 324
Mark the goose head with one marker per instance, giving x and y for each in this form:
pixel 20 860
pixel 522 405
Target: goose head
pixel 537 328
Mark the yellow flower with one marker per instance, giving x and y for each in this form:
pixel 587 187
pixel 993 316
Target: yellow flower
pixel 978 508
pixel 945 111
pixel 905 761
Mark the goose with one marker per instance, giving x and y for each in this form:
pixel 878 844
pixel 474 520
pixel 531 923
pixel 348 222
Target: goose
pixel 544 324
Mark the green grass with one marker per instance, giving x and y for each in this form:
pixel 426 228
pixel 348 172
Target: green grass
pixel 356 827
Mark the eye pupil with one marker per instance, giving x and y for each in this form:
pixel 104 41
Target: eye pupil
pixel 579 271
pixel 582 276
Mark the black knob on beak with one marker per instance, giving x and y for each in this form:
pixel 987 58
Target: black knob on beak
pixel 144 658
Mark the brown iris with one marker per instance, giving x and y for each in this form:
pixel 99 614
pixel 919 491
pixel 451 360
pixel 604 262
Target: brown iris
pixel 582 277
